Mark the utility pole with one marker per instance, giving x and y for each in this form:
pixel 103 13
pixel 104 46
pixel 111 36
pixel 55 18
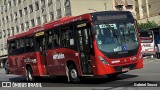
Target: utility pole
pixel 105 5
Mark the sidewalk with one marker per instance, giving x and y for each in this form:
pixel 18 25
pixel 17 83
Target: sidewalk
pixel 1 69
pixel 149 59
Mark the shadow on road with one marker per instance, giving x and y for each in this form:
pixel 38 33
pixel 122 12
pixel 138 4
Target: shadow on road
pixel 105 79
pixel 17 79
pixel 85 80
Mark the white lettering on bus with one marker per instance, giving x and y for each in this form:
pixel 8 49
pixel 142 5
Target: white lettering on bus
pixel 58 56
pixel 146 45
pixel 28 60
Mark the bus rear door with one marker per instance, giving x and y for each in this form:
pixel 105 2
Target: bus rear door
pixel 41 55
pixel 84 47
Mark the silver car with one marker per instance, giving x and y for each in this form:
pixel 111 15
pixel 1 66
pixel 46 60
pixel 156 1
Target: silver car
pixel 7 67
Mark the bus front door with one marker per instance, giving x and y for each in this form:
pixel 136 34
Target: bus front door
pixel 84 50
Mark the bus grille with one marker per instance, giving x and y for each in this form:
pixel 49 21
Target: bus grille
pixel 119 68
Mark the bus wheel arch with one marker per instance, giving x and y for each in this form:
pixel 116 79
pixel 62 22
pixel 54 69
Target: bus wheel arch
pixel 29 73
pixel 72 72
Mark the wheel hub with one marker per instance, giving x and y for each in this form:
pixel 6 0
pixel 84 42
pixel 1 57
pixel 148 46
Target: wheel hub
pixel 73 73
pixel 30 76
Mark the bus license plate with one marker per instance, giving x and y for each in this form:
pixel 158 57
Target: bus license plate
pixel 125 69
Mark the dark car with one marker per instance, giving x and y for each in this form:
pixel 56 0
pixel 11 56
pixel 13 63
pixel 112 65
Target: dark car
pixel 7 67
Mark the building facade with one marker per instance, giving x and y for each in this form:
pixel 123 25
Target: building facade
pixel 148 10
pixel 17 16
pixel 86 6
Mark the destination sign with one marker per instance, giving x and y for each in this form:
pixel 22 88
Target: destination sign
pixel 111 16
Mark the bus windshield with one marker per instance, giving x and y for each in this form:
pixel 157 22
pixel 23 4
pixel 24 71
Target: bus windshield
pixel 116 36
pixel 146 36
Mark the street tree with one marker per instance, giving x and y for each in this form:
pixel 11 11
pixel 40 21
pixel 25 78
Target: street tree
pixel 147 25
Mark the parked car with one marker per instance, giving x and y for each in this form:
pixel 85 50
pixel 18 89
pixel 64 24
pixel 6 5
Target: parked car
pixel 7 67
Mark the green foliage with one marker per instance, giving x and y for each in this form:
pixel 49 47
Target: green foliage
pixel 147 25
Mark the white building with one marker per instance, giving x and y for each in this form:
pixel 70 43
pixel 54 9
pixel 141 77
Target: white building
pixel 17 16
pixel 148 10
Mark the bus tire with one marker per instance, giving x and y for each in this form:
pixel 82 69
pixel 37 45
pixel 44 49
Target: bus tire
pixel 6 71
pixel 73 74
pixel 29 75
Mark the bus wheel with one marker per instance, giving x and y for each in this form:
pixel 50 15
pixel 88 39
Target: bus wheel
pixel 29 75
pixel 73 74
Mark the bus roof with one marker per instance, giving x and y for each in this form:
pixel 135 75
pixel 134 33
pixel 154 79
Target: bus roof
pixel 110 12
pixel 49 25
pixel 61 21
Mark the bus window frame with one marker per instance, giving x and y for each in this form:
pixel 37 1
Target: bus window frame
pixel 9 48
pixel 46 38
pixel 72 29
pixel 24 52
pixel 35 41
pixel 31 36
pixel 89 25
pixel 23 48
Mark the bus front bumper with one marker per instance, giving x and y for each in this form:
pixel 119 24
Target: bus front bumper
pixel 109 69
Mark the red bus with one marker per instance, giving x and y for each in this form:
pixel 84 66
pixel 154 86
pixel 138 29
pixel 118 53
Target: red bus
pixel 148 43
pixel 94 44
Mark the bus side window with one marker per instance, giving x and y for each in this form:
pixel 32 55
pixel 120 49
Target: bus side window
pixel 49 39
pixel 67 36
pixel 17 46
pixel 22 49
pixel 56 38
pixel 12 48
pixel 29 44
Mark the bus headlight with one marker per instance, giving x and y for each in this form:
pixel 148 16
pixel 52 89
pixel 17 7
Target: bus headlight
pixel 103 60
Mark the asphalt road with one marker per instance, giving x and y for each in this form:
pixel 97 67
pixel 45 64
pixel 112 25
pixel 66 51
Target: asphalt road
pixel 149 74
